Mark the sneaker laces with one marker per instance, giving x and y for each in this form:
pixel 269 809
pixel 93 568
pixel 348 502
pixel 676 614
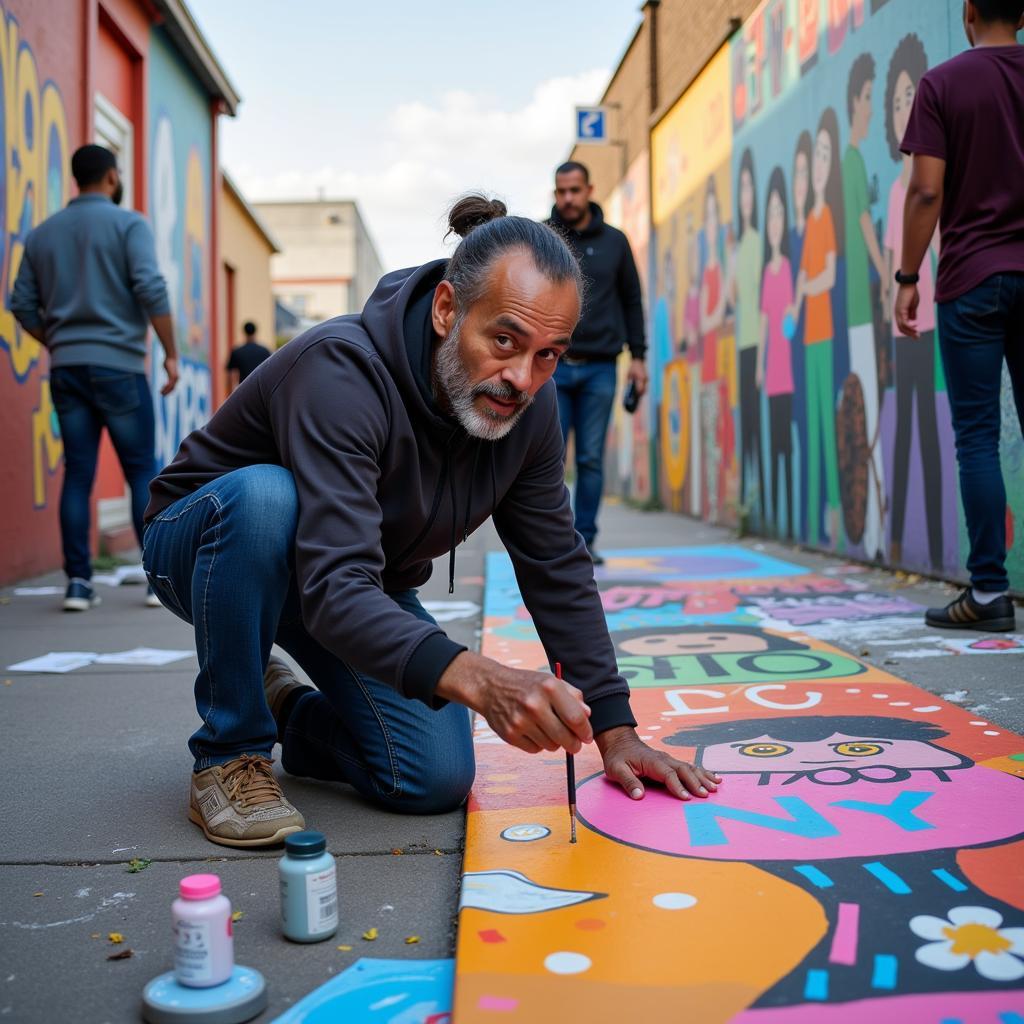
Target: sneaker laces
pixel 250 780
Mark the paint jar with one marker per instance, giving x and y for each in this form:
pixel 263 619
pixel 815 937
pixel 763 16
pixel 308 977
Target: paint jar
pixel 204 953
pixel 309 888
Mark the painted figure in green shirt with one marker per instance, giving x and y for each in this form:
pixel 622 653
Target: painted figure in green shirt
pixel 862 252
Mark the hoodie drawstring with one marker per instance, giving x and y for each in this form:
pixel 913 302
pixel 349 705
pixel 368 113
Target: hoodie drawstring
pixel 454 537
pixel 469 511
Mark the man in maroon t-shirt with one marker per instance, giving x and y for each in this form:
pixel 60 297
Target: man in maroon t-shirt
pixel 966 135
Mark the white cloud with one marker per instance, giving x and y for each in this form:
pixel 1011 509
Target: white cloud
pixel 422 156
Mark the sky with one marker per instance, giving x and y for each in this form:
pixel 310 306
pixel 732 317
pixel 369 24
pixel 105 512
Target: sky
pixel 404 105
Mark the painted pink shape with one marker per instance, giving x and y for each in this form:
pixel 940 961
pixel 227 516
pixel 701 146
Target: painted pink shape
pixel 893 1009
pixel 844 941
pixel 491 935
pixel 977 805
pixel 499 1003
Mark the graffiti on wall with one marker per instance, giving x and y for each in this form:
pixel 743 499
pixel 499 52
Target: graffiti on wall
pixel 629 451
pixel 180 174
pixel 784 398
pixel 36 153
pixel 180 231
pixel 862 856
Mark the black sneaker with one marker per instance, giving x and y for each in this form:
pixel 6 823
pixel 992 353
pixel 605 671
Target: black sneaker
pixel 594 556
pixel 997 616
pixel 80 596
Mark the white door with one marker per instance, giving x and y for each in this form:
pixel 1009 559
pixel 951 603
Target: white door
pixel 114 131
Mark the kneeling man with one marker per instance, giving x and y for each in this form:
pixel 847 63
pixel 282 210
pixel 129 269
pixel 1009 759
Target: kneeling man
pixel 310 507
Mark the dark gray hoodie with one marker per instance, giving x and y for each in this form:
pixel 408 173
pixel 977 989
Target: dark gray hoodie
pixel 387 483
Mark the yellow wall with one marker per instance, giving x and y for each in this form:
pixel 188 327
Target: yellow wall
pixel 245 248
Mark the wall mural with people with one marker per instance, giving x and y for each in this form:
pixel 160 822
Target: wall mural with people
pixel 629 450
pixel 180 163
pixel 784 399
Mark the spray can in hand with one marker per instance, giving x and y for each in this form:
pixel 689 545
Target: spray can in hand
pixel 309 888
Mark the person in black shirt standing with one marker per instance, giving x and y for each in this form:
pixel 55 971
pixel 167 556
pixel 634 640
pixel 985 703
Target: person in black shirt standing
pixel 613 315
pixel 247 356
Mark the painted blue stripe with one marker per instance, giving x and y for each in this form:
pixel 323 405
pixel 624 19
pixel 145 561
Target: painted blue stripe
pixel 817 985
pixel 888 878
pixel 952 881
pixel 884 975
pixel 814 876
pixel 1011 1017
pixel 951 1020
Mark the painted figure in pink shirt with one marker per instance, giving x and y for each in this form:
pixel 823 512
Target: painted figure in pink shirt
pixel 774 355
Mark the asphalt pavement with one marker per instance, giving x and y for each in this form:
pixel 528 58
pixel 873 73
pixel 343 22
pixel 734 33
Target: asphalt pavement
pixel 97 774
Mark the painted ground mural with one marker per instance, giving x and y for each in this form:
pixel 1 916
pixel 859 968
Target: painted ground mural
pixel 784 399
pixel 863 859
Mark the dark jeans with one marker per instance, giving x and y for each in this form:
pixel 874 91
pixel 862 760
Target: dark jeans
pixel 780 420
pixel 977 332
pixel 750 428
pixel 915 376
pixel 586 394
pixel 222 559
pixel 87 399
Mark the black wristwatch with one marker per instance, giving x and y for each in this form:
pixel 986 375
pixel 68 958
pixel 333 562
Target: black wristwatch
pixel 902 278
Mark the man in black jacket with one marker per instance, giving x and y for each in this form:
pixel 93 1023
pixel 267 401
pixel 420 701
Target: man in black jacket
pixel 311 506
pixel 613 316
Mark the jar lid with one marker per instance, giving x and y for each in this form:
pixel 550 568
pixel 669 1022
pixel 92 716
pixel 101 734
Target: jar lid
pixel 305 844
pixel 199 887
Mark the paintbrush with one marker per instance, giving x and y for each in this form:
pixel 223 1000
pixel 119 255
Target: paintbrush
pixel 570 776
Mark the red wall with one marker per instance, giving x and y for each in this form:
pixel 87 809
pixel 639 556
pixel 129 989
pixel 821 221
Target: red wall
pixel 42 71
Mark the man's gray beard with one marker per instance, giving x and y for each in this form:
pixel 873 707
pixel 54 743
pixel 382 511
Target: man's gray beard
pixel 451 380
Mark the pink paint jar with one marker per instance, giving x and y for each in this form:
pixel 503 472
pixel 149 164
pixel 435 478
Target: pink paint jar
pixel 204 948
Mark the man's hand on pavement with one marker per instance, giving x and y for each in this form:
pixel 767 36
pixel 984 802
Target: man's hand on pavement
pixel 531 710
pixel 638 375
pixel 907 300
pixel 171 368
pixel 627 760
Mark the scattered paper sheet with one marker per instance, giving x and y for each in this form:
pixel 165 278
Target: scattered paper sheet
pixel 68 661
pixel 37 591
pixel 55 661
pixel 122 574
pixel 449 611
pixel 142 656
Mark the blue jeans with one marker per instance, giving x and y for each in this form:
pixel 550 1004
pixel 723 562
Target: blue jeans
pixel 977 331
pixel 586 394
pixel 222 559
pixel 87 399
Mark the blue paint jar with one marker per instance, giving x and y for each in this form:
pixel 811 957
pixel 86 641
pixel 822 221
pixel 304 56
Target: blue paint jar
pixel 309 888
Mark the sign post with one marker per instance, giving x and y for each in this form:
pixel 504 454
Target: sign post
pixel 591 126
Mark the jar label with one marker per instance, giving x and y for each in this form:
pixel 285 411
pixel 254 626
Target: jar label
pixel 193 960
pixel 322 901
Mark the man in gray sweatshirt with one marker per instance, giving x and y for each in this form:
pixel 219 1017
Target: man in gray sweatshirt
pixel 87 288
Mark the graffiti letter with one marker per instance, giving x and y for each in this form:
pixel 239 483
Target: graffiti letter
pixel 679 706
pixel 803 820
pixel 754 693
pixel 900 812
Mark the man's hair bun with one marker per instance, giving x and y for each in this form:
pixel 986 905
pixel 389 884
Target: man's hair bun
pixel 473 210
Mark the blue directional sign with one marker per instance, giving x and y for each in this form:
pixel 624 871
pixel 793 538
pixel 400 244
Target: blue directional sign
pixel 591 125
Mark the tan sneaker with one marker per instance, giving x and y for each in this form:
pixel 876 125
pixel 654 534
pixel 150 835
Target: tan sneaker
pixel 241 804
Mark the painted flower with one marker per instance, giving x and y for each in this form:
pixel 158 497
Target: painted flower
pixel 971 934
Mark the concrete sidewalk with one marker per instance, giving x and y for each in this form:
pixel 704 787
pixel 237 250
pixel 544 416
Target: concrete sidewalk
pixel 97 773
